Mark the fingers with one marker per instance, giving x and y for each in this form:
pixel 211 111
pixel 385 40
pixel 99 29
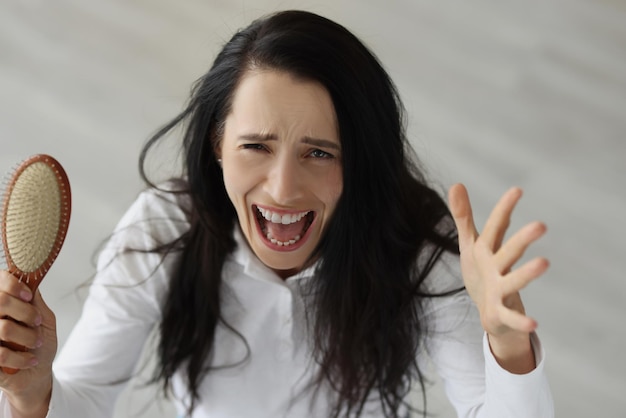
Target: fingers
pixel 515 247
pixel 461 211
pixel 17 360
pixel 487 261
pixel 522 276
pixel 18 337
pixel 517 321
pixel 14 298
pixel 19 323
pixel 47 318
pixel 11 285
pixel 500 218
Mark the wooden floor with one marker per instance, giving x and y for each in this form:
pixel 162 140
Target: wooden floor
pixel 526 93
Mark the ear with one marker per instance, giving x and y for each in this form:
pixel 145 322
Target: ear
pixel 218 153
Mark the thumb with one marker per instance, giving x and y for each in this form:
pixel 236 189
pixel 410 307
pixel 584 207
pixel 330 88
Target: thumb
pixel 461 210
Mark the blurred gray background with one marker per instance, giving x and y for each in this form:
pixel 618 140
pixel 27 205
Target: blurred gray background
pixel 499 93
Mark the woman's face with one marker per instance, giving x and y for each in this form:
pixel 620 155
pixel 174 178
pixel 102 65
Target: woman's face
pixel 281 159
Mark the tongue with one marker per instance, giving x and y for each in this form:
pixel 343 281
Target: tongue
pixel 285 232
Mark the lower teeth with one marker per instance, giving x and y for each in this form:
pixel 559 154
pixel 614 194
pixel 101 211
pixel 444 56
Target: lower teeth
pixel 283 243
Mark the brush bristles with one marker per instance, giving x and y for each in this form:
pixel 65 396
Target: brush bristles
pixel 33 217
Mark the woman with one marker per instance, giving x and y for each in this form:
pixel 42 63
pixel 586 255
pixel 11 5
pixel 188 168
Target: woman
pixel 301 267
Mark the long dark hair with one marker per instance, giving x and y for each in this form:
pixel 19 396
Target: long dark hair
pixel 364 309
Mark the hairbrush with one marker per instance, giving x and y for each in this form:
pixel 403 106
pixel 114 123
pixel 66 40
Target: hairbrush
pixel 36 210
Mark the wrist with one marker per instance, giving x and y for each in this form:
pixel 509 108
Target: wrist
pixel 33 402
pixel 513 352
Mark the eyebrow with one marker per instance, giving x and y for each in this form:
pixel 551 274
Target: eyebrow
pixel 318 142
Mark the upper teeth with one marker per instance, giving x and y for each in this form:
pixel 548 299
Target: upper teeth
pixel 277 218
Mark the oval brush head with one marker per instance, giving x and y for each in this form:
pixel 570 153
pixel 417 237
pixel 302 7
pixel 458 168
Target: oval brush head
pixel 35 218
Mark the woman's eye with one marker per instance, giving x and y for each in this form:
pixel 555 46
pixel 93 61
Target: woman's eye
pixel 254 147
pixel 318 153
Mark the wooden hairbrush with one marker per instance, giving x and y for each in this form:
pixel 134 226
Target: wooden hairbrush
pixel 36 211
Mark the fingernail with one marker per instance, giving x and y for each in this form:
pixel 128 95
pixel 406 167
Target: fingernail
pixel 26 295
pixel 39 343
pixel 38 320
pixel 34 361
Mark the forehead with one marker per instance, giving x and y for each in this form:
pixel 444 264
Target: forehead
pixel 270 100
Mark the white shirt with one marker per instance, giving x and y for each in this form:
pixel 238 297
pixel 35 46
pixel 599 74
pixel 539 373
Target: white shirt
pixel 124 305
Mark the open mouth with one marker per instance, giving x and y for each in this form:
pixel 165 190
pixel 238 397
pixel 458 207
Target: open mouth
pixel 283 229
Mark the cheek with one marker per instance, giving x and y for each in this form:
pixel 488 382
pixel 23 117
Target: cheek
pixel 235 186
pixel 332 188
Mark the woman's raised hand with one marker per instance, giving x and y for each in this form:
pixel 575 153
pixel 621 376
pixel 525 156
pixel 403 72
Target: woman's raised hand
pixel 26 320
pixel 487 266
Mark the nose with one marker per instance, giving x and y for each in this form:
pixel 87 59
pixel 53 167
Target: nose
pixel 284 180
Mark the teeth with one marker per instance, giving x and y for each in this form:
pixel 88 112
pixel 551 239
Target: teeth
pixel 285 219
pixel 281 219
pixel 281 243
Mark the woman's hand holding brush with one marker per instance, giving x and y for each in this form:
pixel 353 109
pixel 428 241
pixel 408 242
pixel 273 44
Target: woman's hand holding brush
pixel 26 320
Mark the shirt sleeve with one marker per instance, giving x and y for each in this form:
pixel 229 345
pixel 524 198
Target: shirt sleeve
pixel 119 314
pixel 474 382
